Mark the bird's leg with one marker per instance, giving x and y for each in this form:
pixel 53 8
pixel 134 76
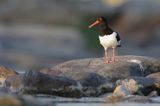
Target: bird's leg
pixel 113 54
pixel 106 60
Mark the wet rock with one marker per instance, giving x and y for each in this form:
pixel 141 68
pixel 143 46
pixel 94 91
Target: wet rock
pixel 4 73
pixel 36 82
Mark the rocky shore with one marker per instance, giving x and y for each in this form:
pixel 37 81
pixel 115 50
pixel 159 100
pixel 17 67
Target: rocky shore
pixel 129 79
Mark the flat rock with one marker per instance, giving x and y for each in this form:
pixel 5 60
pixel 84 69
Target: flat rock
pixel 124 67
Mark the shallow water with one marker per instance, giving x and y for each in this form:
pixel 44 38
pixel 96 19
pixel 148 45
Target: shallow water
pixel 107 104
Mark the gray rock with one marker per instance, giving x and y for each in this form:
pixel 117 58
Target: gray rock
pixel 99 78
pixel 36 82
pixel 124 67
pixel 156 78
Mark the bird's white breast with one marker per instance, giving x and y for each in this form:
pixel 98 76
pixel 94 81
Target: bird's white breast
pixel 108 41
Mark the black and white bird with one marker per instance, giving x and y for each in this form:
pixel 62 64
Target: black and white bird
pixel 108 38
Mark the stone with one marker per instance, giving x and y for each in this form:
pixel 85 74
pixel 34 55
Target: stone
pixel 4 73
pixel 121 91
pixel 35 82
pixel 14 83
pixel 153 94
pixel 144 85
pixel 124 67
pixel 126 87
pixel 156 78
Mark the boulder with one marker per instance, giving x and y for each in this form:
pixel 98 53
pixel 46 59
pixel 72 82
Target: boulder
pixel 98 78
pixel 36 82
pixel 124 67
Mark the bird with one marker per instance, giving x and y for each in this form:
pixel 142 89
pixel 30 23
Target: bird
pixel 107 37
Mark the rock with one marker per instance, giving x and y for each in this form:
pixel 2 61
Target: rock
pixel 145 85
pixel 4 73
pixel 121 91
pixel 36 82
pixel 124 67
pixel 91 79
pixel 14 83
pixel 156 78
pixel 112 98
pixel 144 82
pixel 127 87
pixel 98 78
pixel 153 94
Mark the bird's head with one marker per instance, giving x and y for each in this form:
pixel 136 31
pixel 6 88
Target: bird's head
pixel 99 21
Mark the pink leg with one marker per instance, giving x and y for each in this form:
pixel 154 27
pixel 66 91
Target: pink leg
pixel 106 60
pixel 113 54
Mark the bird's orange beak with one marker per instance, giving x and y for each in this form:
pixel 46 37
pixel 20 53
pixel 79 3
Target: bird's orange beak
pixel 94 24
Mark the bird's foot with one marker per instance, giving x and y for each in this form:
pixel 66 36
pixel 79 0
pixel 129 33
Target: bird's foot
pixel 106 61
pixel 113 60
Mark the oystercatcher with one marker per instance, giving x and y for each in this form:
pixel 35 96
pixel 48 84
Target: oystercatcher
pixel 108 38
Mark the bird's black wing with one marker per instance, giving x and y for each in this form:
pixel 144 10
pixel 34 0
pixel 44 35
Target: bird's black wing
pixel 118 40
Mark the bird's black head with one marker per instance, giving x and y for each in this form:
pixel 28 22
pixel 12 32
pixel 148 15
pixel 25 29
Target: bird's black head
pixel 101 21
pixel 103 26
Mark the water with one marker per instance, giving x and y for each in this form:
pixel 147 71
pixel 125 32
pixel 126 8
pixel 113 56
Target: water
pixel 107 104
